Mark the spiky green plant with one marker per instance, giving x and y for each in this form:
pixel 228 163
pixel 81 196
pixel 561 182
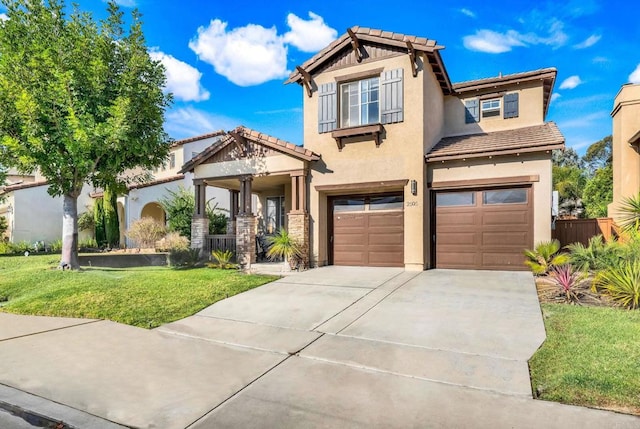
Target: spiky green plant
pixel 629 211
pixel 283 246
pixel 223 259
pixel 621 283
pixel 544 257
pixel 597 255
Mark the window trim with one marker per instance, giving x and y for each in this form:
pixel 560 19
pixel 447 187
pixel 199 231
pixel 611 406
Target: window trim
pixel 339 97
pixel 494 111
pixel 280 215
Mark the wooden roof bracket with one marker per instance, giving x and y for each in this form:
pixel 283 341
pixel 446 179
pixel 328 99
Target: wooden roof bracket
pixel 241 142
pixel 306 80
pixel 412 57
pixel 355 44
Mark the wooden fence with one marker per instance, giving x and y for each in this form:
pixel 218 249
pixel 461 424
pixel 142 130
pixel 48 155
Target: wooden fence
pixel 570 231
pixel 221 242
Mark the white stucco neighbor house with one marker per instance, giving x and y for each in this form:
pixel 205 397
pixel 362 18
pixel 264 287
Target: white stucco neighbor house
pixel 33 215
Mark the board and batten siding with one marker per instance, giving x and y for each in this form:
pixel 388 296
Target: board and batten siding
pixel 511 105
pixel 327 107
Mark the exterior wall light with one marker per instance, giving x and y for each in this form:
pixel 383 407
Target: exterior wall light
pixel 414 187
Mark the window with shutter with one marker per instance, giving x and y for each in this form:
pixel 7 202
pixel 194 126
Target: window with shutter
pixel 511 105
pixel 327 107
pixel 471 111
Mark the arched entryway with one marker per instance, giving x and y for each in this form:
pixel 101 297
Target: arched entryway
pixel 154 211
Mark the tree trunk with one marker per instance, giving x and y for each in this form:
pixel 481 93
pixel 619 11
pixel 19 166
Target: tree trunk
pixel 69 257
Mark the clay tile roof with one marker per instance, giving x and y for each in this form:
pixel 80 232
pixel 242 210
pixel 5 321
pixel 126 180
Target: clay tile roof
pixel 18 186
pixel 156 182
pixel 366 34
pixel 520 140
pixel 197 138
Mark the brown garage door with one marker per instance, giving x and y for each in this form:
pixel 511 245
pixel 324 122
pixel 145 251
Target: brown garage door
pixel 483 229
pixel 368 231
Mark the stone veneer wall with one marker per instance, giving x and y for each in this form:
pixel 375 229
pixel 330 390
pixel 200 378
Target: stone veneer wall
pixel 246 240
pixel 299 231
pixel 199 231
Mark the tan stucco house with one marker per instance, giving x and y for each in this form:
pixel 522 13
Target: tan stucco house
pixel 400 166
pixel 625 146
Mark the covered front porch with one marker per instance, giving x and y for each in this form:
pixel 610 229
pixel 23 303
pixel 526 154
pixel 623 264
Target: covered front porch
pixel 267 181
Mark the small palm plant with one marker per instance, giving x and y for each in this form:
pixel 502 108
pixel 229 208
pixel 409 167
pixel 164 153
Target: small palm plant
pixel 544 257
pixel 223 259
pixel 283 246
pixel 622 283
pixel 630 213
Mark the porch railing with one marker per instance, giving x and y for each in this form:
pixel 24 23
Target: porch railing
pixel 221 242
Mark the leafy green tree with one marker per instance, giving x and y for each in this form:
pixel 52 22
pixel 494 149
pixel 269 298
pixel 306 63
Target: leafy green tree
pixel 567 158
pixel 598 192
pixel 599 155
pixel 81 101
pixel 110 210
pixel 569 181
pixel 180 205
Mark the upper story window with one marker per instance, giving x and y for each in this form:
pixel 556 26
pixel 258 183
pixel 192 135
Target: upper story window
pixel 475 108
pixel 491 108
pixel 360 102
pixel 374 99
pixel 172 160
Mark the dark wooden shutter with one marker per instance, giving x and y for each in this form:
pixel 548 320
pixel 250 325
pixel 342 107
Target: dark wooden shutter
pixel 471 111
pixel 511 105
pixel 327 107
pixel 391 98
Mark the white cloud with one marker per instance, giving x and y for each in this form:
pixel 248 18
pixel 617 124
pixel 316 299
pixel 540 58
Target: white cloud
pixel 634 77
pixel 493 42
pixel 183 80
pixel 588 42
pixel 571 82
pixel 468 12
pixel 584 121
pixel 188 122
pixel 247 56
pixel 311 35
pixel 555 96
pixel 3 17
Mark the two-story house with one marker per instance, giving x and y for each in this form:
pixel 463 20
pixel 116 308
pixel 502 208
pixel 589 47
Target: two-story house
pixel 400 167
pixel 33 215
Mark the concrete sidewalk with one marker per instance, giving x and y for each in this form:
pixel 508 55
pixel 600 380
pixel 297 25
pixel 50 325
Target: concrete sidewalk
pixel 331 347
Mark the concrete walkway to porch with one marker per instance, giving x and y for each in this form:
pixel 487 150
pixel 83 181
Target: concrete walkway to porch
pixel 330 347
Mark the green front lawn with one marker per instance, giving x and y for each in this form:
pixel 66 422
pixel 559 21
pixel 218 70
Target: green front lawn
pixel 145 297
pixel 591 357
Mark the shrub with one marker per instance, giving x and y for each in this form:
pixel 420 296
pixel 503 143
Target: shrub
pixel 56 246
pixel 146 231
pixel 621 283
pixel 172 241
pixel 110 211
pixel 567 281
pixel 89 243
pixel 98 221
pixel 180 205
pixel 21 247
pixel 283 246
pixel 217 221
pixel 86 222
pixel 630 213
pixel 544 257
pixel 184 258
pixel 598 255
pixel 223 259
pixel 4 225
pixel 6 248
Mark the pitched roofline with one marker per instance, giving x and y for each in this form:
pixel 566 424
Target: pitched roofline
pixel 19 186
pixel 484 154
pixel 388 38
pixel 197 138
pixel 547 75
pixel 274 143
pixel 156 182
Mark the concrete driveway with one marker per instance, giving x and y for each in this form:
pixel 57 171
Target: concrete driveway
pixel 331 347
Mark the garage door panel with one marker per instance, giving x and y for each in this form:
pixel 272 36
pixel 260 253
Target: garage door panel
pixel 507 217
pixel 371 237
pixel 505 238
pixel 487 235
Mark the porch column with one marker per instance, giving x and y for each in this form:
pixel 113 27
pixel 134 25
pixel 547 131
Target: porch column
pixel 245 226
pixel 233 211
pixel 298 216
pixel 200 221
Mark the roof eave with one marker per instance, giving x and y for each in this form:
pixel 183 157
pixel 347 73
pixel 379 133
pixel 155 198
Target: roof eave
pixel 484 154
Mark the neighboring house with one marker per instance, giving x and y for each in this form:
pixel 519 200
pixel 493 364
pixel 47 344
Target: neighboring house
pixel 625 146
pixel 400 167
pixel 33 215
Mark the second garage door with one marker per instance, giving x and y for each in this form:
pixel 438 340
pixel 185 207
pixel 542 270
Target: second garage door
pixel 368 231
pixel 483 229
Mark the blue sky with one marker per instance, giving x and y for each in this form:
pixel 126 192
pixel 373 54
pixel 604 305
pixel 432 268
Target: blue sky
pixel 227 60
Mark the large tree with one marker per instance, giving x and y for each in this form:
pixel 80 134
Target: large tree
pixel 599 155
pixel 81 101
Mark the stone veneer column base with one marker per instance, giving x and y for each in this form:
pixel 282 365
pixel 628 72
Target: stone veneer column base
pixel 199 232
pixel 246 240
pixel 298 227
pixel 231 227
